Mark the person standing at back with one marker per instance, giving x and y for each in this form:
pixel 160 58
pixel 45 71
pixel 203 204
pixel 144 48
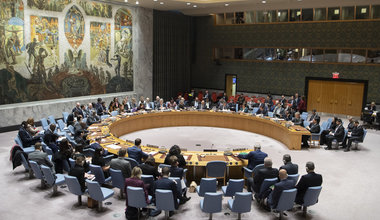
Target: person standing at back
pixel 136 153
pixel 254 158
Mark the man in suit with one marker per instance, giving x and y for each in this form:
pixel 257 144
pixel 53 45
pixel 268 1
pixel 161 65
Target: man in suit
pixel 254 158
pixel 176 171
pixel 351 124
pixel 136 153
pixel 202 106
pixel 278 110
pixel 309 180
pixel 290 167
pixel 284 184
pixel 78 109
pixel 223 106
pixel 297 120
pixel 356 134
pixel 266 172
pixel 41 157
pixel 314 128
pixel 78 172
pixel 337 134
pixel 206 95
pixel 283 100
pixel 195 104
pixel 50 138
pixel 313 115
pixel 262 111
pixel 121 164
pixel 25 137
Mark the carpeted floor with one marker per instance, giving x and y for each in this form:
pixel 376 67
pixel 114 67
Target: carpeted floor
pixel 349 182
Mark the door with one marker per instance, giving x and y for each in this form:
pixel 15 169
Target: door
pixel 230 87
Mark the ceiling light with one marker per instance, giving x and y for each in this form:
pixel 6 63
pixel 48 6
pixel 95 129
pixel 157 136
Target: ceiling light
pixel 188 3
pixel 263 1
pixel 125 0
pixel 155 0
pixel 161 3
pixel 194 6
pixel 137 2
pixel 226 4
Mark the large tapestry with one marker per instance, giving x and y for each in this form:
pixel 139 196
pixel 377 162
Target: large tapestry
pixel 48 64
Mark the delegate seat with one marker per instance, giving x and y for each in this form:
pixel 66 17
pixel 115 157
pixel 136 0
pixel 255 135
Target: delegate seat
pixel 99 175
pixel 74 187
pixel 206 185
pixel 65 115
pixel 118 180
pixel 37 172
pixel 136 198
pixel 311 197
pixel 212 203
pixel 233 186
pixel 51 180
pixel 132 161
pixel 27 150
pixel 241 203
pixel 164 201
pixel 216 169
pixel 294 177
pixel 98 193
pixel 286 201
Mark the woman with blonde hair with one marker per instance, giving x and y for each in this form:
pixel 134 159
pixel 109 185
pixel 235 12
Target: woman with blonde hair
pixel 31 127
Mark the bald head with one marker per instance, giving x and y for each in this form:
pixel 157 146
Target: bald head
pixel 282 174
pixel 268 162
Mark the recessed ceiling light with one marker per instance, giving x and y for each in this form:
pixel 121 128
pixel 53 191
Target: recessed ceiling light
pixel 194 6
pixel 155 0
pixel 137 2
pixel 263 1
pixel 188 3
pixel 226 4
pixel 125 0
pixel 161 3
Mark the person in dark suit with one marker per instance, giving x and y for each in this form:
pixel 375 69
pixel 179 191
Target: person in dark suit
pixel 297 120
pixel 356 134
pixel 283 100
pixel 78 109
pixel 313 115
pixel 284 184
pixel 314 128
pixel 351 124
pixel 337 134
pixel 148 167
pixel 40 157
pixel 27 139
pixel 50 138
pixel 309 180
pixel 324 133
pixel 121 164
pixel 254 158
pixel 134 181
pixel 98 160
pixel 136 153
pixel 78 171
pixel 290 167
pixel 175 150
pixel 176 171
pixel 266 172
pixel 262 111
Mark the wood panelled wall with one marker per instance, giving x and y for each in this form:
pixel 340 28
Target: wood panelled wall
pixel 172 52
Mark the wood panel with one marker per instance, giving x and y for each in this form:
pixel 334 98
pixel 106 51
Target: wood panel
pixel 355 99
pixel 314 96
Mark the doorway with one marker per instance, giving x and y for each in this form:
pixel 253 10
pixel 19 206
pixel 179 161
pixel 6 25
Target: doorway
pixel 231 85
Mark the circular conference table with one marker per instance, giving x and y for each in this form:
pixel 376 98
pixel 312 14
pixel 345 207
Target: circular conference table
pixel 113 127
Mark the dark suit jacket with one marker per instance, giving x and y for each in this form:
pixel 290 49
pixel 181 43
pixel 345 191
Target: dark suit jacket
pixel 149 170
pixel 176 172
pixel 168 184
pixel 339 133
pixel 254 158
pixel 298 121
pixel 264 112
pixel 263 173
pixel 181 160
pixel 41 158
pixel 350 126
pixel 136 153
pixel 78 172
pixel 315 128
pixel 358 132
pixel 50 137
pixel 309 180
pixel 27 139
pixel 290 168
pixel 123 165
pixel 284 184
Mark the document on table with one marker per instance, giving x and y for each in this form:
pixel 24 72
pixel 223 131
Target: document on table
pixel 185 157
pixel 113 146
pixel 153 153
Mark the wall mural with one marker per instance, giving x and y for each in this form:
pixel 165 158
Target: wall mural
pixel 49 5
pixel 96 9
pixel 30 67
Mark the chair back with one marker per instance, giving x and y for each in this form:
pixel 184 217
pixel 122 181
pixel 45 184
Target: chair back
pixel 247 172
pixel 324 126
pixel 52 120
pixel 311 195
pixel 132 161
pixel 98 172
pixel 242 202
pixel 94 190
pixel 18 141
pixel 270 114
pixel 44 123
pixel 118 180
pixel 162 165
pixel 72 162
pixel 164 200
pixel 114 113
pixel 304 116
pixel 147 179
pixel 329 121
pixel 65 115
pixel 49 178
pixel 294 177
pixel 364 134
pixel 306 123
pixel 136 197
pixel 286 200
pixel 73 185
pixel 216 169
pixel 66 165
pixel 255 110
pixel 267 183
pixel 207 185
pixel 234 186
pixel 24 162
pixel 89 152
pixel 257 168
pixel 212 202
pixel 71 129
pixel 178 183
pixel 49 151
pixel 61 125
pixel 36 169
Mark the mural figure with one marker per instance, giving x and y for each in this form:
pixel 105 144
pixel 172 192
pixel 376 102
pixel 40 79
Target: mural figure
pixel 96 9
pixel 11 41
pixel 100 34
pixel 49 5
pixel 74 26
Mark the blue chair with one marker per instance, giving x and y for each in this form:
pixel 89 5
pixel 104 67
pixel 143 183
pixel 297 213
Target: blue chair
pixel 148 180
pixel 164 201
pixel 89 152
pixel 304 116
pixel 52 120
pixel 339 142
pixel 27 150
pixel 49 151
pixel 26 165
pixel 270 114
pixel 107 159
pixel 132 161
pixel 118 180
pixel 62 126
pixel 249 173
pixel 316 136
pixel 104 117
pixel 360 141
pixel 237 107
pixel 51 180
pixel 306 123
pixel 329 121
pixel 37 172
pixel 212 203
pixel 216 169
pixel 207 185
pixel 72 162
pixel 234 186
pixel 114 113
pixel 66 165
pixel 65 115
pixel 294 177
pixel 311 197
pixel 152 105
pixel 74 187
pixel 98 193
pixel 71 129
pixel 162 165
pixel 241 203
pixel 255 109
pixel 265 185
pixel 136 198
pixel 99 175
pixel 286 201
pixel 178 184
pixel 44 124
